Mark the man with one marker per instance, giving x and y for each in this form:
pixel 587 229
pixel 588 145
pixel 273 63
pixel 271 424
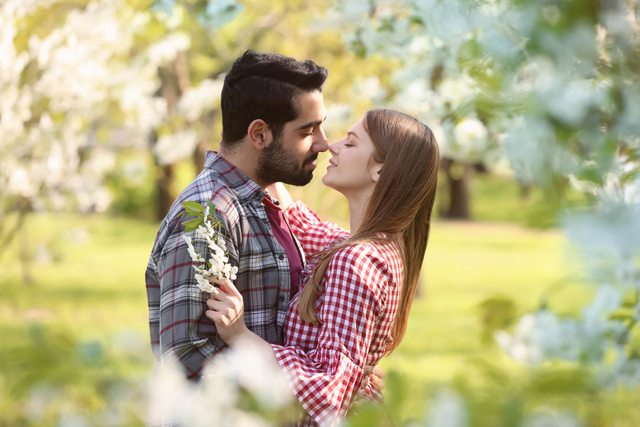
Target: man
pixel 272 115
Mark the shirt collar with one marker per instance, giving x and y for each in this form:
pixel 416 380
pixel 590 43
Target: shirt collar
pixel 247 189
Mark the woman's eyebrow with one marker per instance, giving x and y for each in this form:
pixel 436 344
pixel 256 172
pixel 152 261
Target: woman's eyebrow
pixel 353 134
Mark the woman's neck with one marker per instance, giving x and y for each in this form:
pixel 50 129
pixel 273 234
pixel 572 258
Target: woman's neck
pixel 357 206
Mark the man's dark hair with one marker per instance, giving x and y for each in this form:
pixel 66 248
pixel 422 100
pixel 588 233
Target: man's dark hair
pixel 265 86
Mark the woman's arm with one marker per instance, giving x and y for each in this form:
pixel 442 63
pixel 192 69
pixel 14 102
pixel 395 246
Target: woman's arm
pixel 226 309
pixel 325 379
pixel 278 191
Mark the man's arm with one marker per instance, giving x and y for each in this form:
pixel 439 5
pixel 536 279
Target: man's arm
pixel 186 335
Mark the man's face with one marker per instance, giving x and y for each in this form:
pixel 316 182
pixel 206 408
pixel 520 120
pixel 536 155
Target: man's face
pixel 291 157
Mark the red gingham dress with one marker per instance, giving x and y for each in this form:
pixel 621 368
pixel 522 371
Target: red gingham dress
pixel 356 304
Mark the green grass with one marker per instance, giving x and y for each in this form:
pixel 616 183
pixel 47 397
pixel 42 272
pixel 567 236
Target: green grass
pixel 81 327
pixel 467 263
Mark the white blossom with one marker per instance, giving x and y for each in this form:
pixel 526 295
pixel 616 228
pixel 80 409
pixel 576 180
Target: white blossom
pixel 165 50
pixel 448 410
pixel 550 419
pixel 218 263
pixel 218 396
pixel 171 148
pixel 204 97
pixel 82 68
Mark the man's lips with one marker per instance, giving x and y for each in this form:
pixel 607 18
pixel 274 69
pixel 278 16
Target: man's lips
pixel 311 161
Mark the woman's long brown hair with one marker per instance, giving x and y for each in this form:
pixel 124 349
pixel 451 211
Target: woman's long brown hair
pixel 400 207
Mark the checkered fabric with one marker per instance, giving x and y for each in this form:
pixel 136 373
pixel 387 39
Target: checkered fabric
pixel 357 305
pixel 180 331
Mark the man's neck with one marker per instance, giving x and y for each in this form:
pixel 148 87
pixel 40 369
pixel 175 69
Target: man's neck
pixel 242 159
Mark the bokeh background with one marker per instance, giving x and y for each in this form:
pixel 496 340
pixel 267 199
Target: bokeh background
pixel 528 306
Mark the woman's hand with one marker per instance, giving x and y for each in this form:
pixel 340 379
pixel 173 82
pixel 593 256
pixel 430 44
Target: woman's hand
pixel 226 309
pixel 278 191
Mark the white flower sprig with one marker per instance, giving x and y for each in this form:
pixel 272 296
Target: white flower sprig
pixel 208 228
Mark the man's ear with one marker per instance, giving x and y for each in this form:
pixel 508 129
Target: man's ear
pixel 375 171
pixel 259 134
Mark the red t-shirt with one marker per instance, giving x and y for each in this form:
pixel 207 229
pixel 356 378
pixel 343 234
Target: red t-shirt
pixel 283 235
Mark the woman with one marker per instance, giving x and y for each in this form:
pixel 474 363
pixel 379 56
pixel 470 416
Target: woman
pixel 357 289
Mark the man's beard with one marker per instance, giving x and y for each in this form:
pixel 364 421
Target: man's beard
pixel 276 164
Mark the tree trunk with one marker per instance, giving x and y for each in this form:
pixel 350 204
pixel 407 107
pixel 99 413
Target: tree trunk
pixel 458 175
pixel 163 184
pixel 204 144
pixel 175 81
pixel 25 258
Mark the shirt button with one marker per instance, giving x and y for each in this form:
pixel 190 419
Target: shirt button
pixel 281 298
pixel 281 256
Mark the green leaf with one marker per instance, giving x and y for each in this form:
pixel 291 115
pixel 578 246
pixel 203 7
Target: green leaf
pixel 212 207
pixel 622 314
pixel 193 206
pixel 630 298
pixel 193 224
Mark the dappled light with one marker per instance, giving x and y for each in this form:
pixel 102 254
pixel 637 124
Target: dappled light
pixel 528 305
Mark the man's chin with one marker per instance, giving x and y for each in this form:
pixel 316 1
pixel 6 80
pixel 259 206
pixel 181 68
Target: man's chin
pixel 299 180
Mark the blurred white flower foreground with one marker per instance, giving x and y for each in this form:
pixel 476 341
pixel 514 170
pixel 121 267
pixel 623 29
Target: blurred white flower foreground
pixel 218 399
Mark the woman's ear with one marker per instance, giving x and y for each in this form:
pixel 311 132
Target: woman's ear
pixel 375 171
pixel 259 134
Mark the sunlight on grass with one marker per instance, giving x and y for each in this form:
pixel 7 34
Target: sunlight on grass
pixel 96 288
pixel 465 264
pixel 89 292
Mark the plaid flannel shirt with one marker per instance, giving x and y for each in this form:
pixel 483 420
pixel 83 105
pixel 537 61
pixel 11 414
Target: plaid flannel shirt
pixel 357 306
pixel 178 325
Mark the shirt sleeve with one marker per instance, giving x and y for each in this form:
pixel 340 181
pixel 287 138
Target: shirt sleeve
pixel 313 234
pixel 324 379
pixel 186 335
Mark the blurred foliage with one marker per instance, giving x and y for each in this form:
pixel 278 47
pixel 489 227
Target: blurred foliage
pixel 57 378
pixel 90 313
pixel 565 66
pixel 132 185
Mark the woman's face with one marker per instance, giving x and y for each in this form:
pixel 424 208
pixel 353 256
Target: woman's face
pixel 352 168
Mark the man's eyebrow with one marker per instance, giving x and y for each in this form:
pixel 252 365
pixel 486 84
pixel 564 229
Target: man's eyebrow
pixel 311 124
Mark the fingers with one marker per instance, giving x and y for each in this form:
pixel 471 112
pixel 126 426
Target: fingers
pixel 225 284
pixel 225 308
pixel 377 382
pixel 378 372
pixel 375 375
pixel 216 305
pixel 214 316
pixel 368 370
pixel 218 312
pixel 228 286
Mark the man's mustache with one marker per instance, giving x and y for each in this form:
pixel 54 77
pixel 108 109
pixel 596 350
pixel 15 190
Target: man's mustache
pixel 311 158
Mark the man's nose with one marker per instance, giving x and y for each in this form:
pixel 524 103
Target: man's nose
pixel 320 144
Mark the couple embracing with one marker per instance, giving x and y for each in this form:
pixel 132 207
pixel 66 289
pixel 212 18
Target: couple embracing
pixel 327 303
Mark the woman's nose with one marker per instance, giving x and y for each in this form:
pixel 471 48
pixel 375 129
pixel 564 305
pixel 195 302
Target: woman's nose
pixel 333 148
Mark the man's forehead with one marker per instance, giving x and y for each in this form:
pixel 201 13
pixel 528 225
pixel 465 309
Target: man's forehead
pixel 312 110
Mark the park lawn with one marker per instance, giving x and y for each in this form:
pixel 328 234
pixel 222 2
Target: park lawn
pixel 467 263
pixel 93 292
